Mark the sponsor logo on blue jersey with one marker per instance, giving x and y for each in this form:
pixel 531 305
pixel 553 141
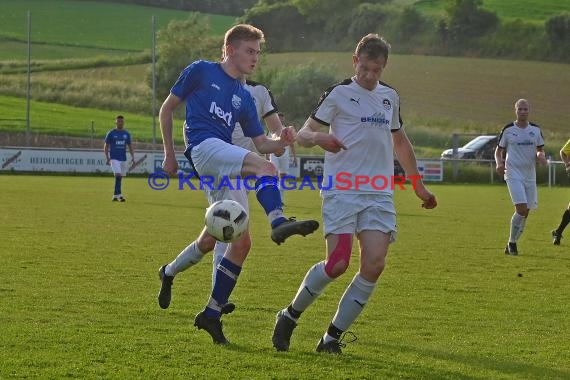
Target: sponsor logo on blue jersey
pixel 225 116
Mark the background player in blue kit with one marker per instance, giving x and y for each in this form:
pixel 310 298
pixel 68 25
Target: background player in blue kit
pixel 116 142
pixel 215 101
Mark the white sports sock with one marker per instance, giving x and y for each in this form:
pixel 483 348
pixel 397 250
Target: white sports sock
pixel 327 338
pixel 352 302
pixel 312 286
pixel 189 256
pixel 517 227
pixel 282 191
pixel 219 251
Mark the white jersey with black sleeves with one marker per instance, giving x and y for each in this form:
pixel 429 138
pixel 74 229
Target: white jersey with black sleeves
pixel 521 144
pixel 363 121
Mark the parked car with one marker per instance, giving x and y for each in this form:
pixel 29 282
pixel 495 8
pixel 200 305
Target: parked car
pixel 481 147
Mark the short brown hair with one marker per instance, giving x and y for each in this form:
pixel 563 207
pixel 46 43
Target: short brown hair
pixel 243 32
pixel 372 46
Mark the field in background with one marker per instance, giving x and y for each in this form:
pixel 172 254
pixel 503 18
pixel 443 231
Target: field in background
pixel 70 27
pixel 440 95
pixel 528 10
pixel 80 285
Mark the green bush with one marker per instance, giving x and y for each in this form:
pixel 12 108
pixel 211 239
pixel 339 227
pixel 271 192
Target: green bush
pixel 298 89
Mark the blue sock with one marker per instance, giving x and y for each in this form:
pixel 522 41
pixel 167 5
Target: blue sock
pixel 226 278
pixel 268 194
pixel 118 185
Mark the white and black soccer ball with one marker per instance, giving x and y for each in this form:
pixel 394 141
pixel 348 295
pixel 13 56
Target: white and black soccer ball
pixel 226 220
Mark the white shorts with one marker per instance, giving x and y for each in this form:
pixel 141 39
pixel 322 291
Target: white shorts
pixel 218 159
pixel 353 213
pixel 119 167
pixel 523 192
pixel 281 162
pixel 226 192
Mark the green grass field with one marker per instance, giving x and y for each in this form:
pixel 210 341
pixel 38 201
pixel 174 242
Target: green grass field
pixel 79 289
pixel 79 24
pixel 528 10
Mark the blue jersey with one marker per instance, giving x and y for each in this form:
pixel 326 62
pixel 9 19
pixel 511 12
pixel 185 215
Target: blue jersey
pixel 215 102
pixel 118 139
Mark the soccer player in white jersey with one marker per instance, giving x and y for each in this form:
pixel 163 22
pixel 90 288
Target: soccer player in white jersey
pixel 363 117
pixel 557 233
pixel 268 112
pixel 282 162
pixel 523 143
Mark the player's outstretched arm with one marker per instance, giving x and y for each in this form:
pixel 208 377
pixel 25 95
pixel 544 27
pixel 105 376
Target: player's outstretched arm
pixel 310 135
pixel 170 164
pixel 500 164
pixel 407 159
pixel 264 144
pixel 541 157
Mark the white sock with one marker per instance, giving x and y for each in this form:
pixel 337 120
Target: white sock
pixel 189 256
pixel 352 302
pixel 282 191
pixel 219 251
pixel 312 286
pixel 517 226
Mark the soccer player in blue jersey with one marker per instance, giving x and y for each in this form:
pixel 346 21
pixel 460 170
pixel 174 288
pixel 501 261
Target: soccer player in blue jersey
pixel 215 101
pixel 116 142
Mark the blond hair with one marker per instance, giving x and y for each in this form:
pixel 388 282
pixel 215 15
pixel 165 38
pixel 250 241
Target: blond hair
pixel 243 32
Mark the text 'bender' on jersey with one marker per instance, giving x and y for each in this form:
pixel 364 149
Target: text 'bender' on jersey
pixel 118 139
pixel 521 144
pixel 215 102
pixel 363 120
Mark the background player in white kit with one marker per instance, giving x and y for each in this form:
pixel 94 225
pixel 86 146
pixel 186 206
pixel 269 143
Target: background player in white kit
pixel 523 143
pixel 282 162
pixel 365 129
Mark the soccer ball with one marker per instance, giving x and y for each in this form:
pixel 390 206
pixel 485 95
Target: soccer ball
pixel 226 220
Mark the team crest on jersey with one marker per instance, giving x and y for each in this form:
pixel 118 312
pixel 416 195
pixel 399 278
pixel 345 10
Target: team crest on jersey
pixel 386 103
pixel 236 102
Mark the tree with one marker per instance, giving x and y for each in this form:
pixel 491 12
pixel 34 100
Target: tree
pixel 181 43
pixel 558 28
pixel 467 21
pixel 283 26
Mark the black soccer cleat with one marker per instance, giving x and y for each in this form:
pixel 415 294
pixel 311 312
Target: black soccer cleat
pixel 332 347
pixel 228 308
pixel 213 326
pixel 292 227
pixel 282 332
pixel 335 346
pixel 556 237
pixel 122 199
pixel 511 249
pixel 165 293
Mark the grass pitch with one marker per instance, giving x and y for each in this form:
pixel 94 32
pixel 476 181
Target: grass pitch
pixel 79 285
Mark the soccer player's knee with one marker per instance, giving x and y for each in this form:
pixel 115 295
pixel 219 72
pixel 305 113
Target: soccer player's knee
pixel 242 245
pixel 372 270
pixel 339 259
pixel 267 169
pixel 206 242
